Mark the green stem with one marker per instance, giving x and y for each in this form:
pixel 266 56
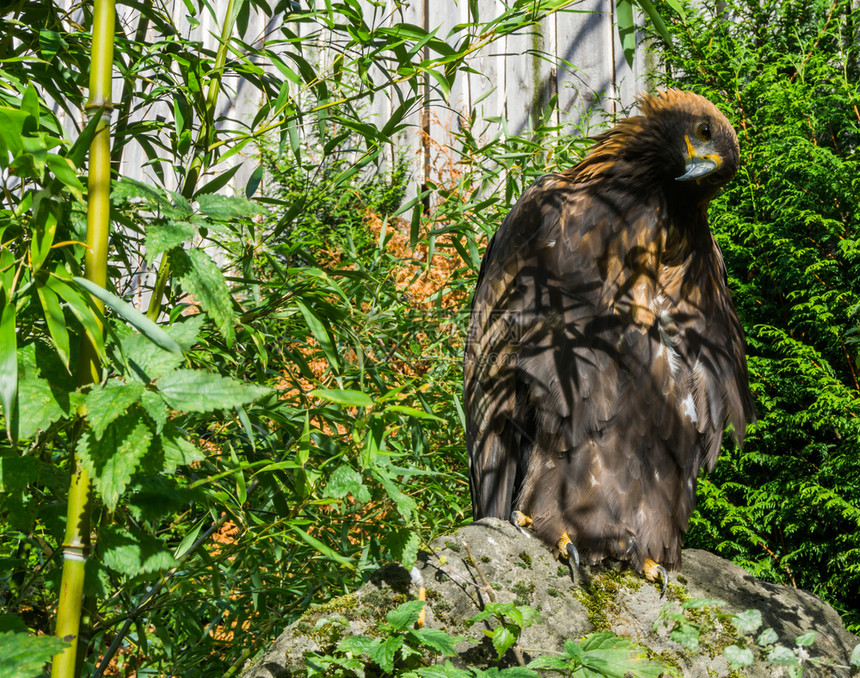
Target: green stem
pixel 76 543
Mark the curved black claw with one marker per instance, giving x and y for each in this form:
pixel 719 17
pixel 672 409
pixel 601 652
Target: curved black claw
pixel 573 554
pixel 521 521
pixel 664 579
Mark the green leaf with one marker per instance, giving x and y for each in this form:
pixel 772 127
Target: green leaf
pixel 322 548
pixel 405 504
pixel 202 279
pixel 8 361
pixel 16 472
pixel 106 402
pixel 626 29
pixel 225 208
pixel 854 659
pixel 404 545
pixel 320 333
pixel 748 621
pixel 615 656
pixel 446 670
pixel 133 552
pixel 344 481
pixel 24 656
pixel 686 635
pixel 200 391
pixel 739 656
pixel 179 452
pixel 767 637
pixel 806 639
pixel 219 182
pixel 82 310
pixel 413 412
pixel 656 19
pixel 780 654
pixel 383 653
pixel 42 403
pixel 164 236
pixel 349 398
pixel 503 638
pixel 405 615
pixel 65 170
pixel 56 321
pixel 143 324
pixel 437 640
pixel 112 459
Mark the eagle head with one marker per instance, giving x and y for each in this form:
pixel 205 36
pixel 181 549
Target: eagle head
pixel 680 143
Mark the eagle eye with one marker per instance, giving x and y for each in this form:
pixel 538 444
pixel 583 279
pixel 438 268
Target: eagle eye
pixel 703 131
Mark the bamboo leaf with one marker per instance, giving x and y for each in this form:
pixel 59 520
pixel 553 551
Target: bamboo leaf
pixel 8 362
pixel 143 324
pixel 626 29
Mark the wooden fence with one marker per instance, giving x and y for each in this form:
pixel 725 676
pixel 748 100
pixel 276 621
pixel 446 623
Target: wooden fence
pixel 573 54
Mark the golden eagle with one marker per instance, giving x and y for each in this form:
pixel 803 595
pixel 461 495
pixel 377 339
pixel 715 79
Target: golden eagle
pixel 604 358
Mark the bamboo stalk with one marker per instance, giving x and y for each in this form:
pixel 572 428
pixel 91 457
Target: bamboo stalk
pixel 76 543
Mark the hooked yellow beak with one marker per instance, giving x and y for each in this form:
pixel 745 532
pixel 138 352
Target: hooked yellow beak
pixel 699 165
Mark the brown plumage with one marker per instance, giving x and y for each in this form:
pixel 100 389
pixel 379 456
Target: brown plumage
pixel 604 358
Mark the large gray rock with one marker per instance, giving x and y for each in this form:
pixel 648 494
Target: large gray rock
pixel 506 565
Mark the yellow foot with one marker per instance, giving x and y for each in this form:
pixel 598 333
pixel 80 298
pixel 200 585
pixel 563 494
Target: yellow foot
pixel 520 519
pixel 654 571
pixel 567 549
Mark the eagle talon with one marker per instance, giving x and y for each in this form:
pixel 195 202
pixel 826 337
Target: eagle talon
pixel 573 554
pixel 520 521
pixel 653 571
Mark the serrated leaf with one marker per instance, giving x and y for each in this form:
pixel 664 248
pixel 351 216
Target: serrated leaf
pixel 748 621
pixel 202 279
pixel 384 653
pixel 134 552
pixel 358 644
pixel 739 656
pixel 349 398
pixel 179 452
pixel 437 640
pixel 163 237
pixel 106 402
pixel 405 504
pixel 503 639
pixel 854 659
pixel 42 404
pixel 404 544
pixel 225 208
pixel 605 651
pixel 153 404
pixel 345 480
pixel 200 391
pixel 16 471
pixel 446 670
pixel 113 459
pixel 24 656
pixel 767 637
pixel 405 615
